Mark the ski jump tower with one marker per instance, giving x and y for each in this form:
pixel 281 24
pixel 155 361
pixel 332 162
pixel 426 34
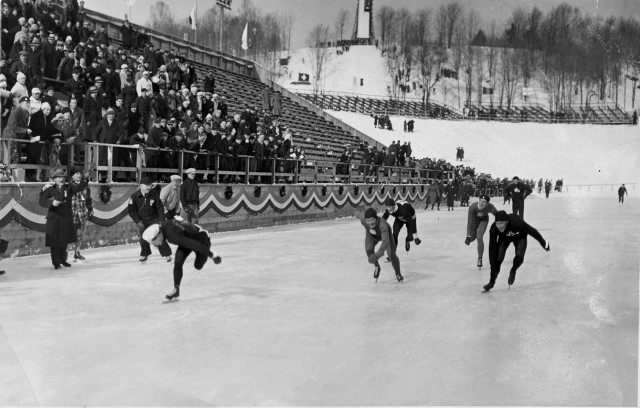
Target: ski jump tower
pixel 363 25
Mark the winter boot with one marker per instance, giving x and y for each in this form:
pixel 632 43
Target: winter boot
pixel 174 294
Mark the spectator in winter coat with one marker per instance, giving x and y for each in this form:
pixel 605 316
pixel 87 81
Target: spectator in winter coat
pixel 190 197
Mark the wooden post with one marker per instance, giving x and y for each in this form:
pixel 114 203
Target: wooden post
pixel 216 167
pixel 246 169
pixel 138 165
pixel 273 171
pixel 109 164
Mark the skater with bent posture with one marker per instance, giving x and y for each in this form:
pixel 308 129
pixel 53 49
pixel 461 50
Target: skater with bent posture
pixel 507 229
pixel 378 231
pixel 188 237
pixel 404 213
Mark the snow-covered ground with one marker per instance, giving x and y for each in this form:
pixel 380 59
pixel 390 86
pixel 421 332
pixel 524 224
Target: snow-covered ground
pixel 579 154
pixel 292 317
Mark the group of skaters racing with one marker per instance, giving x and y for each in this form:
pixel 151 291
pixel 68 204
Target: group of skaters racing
pixel 507 229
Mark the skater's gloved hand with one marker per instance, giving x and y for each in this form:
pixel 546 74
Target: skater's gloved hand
pixel 90 216
pixel 546 246
pixel 373 259
pixel 141 227
pixel 417 241
pixel 467 241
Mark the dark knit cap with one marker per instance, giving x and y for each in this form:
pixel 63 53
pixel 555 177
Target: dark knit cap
pixel 502 216
pixel 389 202
pixel 370 213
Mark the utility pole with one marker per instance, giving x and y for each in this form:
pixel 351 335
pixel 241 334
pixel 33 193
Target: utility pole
pixel 224 4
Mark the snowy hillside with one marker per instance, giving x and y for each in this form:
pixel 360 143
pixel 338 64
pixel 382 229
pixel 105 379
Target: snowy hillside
pixel 342 73
pixel 580 154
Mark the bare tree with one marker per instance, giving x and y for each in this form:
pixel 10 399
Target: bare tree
pixel 385 20
pixel 341 23
pixel 452 15
pixel 318 54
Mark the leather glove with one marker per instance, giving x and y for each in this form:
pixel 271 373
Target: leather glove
pixel 373 258
pixel 467 241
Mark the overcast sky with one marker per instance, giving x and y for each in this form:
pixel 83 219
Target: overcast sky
pixel 309 13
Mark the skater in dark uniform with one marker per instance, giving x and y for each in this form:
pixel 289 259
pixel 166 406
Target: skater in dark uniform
pixel 507 229
pixel 188 237
pixel 477 222
pixel 404 214
pixel 378 231
pixel 145 208
pixel 621 192
pixel 518 192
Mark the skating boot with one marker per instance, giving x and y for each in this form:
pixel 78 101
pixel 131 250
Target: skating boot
pixel 488 286
pixel 479 264
pixel 143 259
pixel 399 277
pixel 376 273
pixel 407 245
pixel 174 294
pixel 65 263
pixel 512 278
pixel 1 272
pixel 77 256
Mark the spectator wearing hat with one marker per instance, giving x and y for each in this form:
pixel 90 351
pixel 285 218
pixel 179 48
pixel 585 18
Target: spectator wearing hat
pixel 17 128
pixel 34 60
pixel 20 45
pixel 92 108
pixel 477 221
pixel 170 196
pixel 145 104
pixel 60 231
pixel 65 69
pixel 153 143
pixel 176 143
pixel 127 35
pixel 66 127
pixel 190 197
pixel 19 68
pixel 276 104
pixel 111 85
pixel 518 192
pixel 49 97
pixel 209 82
pixel 48 56
pixel 107 131
pixel 41 131
pixel 34 102
pixel 102 36
pixel 144 83
pixel 145 208
pixel 433 194
pixel 82 209
pixel 74 87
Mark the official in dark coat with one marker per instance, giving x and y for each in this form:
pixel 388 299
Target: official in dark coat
pixel 60 230
pixel 145 208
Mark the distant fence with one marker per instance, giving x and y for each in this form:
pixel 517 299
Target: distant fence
pixel 597 187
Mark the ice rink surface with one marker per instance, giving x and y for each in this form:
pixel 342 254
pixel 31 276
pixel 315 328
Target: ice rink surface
pixel 293 317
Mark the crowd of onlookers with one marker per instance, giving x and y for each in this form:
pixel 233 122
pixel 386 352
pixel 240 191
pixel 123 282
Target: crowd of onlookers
pixel 64 83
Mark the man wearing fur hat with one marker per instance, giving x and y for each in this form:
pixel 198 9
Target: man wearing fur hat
pixel 378 231
pixel 507 229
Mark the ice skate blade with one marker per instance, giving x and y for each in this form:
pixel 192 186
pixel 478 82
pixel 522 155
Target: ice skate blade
pixel 166 301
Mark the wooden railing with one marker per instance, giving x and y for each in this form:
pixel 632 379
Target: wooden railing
pixel 303 170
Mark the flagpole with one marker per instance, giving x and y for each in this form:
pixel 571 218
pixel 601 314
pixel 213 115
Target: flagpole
pixel 195 16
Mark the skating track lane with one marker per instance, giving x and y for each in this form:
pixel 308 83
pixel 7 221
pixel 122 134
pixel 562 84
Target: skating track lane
pixel 292 317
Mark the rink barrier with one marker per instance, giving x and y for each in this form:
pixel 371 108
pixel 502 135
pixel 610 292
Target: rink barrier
pixel 222 208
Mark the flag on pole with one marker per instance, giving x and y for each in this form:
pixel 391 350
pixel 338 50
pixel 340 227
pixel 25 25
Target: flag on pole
pixel 245 36
pixel 192 17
